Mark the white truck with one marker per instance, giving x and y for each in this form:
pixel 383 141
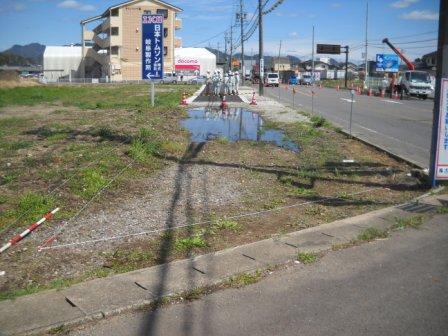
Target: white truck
pixel 272 79
pixel 416 83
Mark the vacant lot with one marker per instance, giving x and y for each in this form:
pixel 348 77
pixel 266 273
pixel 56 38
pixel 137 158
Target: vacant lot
pixel 125 175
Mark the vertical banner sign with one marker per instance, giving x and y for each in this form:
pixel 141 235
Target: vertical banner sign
pixel 152 46
pixel 442 143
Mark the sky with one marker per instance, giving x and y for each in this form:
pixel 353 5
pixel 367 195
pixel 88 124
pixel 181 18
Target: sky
pixel 410 24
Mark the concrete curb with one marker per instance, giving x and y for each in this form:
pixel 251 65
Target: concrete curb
pixel 104 297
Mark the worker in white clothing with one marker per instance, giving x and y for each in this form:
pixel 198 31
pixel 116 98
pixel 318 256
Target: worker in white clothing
pixel 231 83
pixel 237 82
pixel 226 84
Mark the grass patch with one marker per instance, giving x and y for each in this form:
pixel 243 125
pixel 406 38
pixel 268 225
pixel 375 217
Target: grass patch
pixel 244 279
pixel 318 121
pixel 443 210
pixel 343 246
pixel 222 141
pixel 402 223
pixel 58 330
pixel 226 224
pixel 90 181
pixel 371 234
pixel 14 146
pixel 142 152
pixel 307 258
pixel 189 243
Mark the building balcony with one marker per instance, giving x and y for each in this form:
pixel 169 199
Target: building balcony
pixel 177 23
pixel 104 26
pixel 101 57
pixel 177 42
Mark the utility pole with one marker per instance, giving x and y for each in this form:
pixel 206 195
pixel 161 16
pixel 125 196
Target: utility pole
pixel 219 53
pixel 231 47
pixel 278 59
pixel 442 73
pixel 366 50
pixel 346 66
pixel 243 68
pixel 260 47
pixel 226 38
pixel 312 57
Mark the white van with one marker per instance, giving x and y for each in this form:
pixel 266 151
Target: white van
pixel 272 79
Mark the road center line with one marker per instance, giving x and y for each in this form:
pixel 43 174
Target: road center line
pixel 348 100
pixel 391 101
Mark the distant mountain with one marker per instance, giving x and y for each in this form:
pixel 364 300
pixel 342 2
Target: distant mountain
pixel 32 52
pixel 14 60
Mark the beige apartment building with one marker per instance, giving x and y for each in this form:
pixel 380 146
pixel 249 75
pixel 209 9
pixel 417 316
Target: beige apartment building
pixel 113 49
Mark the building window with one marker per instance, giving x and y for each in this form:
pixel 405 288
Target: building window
pixel 114 31
pixel 165 51
pixel 165 32
pixel 114 12
pixel 114 51
pixel 147 12
pixel 163 12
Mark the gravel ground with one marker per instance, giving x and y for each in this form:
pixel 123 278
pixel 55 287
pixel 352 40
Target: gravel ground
pixel 169 196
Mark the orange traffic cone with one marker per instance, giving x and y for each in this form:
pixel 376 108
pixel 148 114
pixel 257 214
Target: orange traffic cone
pixel 383 93
pixel 224 104
pixel 253 102
pixel 184 99
pixel 337 88
pixel 396 96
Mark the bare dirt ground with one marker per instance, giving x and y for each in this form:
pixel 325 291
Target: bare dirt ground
pixel 182 185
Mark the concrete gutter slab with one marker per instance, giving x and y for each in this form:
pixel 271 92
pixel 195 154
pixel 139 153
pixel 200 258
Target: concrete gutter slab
pixel 104 296
pixel 269 252
pixel 36 311
pixel 310 241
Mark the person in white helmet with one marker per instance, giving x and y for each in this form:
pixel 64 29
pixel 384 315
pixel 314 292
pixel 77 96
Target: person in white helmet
pixel 226 84
pixel 237 82
pixel 231 83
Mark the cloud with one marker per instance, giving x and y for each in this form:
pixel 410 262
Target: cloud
pixel 294 34
pixel 403 3
pixel 421 15
pixel 73 4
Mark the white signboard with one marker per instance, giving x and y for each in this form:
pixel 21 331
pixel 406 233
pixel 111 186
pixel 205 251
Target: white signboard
pixel 442 143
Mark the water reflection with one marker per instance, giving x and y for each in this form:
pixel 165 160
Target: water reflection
pixel 234 124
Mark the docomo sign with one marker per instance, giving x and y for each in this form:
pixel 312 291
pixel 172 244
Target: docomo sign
pixel 152 19
pixel 188 64
pixel 187 61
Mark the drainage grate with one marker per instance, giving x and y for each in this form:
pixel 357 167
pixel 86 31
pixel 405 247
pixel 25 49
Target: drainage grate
pixel 418 207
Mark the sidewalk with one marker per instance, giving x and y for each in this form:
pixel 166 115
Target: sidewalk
pixel 104 297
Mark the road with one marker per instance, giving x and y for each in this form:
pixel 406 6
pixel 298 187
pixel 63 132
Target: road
pixel 401 127
pixel 396 286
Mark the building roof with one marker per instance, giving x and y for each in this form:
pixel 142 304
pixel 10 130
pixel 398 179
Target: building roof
pixel 193 52
pixel 126 3
pixel 57 51
pixel 434 53
pixel 281 60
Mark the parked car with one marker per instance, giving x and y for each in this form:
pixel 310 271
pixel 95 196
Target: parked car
pixel 197 80
pixel 272 79
pixel 306 80
pixel 169 78
pixel 293 80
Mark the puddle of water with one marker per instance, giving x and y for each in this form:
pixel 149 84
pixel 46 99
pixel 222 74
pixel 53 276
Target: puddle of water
pixel 236 124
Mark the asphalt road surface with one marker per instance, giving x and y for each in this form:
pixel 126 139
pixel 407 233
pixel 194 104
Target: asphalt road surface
pixel 397 286
pixel 402 127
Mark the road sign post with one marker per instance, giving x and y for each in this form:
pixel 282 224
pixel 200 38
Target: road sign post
pixel 152 46
pixel 438 143
pixel 352 93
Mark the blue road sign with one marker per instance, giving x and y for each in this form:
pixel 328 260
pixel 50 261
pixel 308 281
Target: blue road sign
pixel 152 46
pixel 387 62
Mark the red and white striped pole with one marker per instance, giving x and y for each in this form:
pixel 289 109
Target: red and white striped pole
pixel 33 227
